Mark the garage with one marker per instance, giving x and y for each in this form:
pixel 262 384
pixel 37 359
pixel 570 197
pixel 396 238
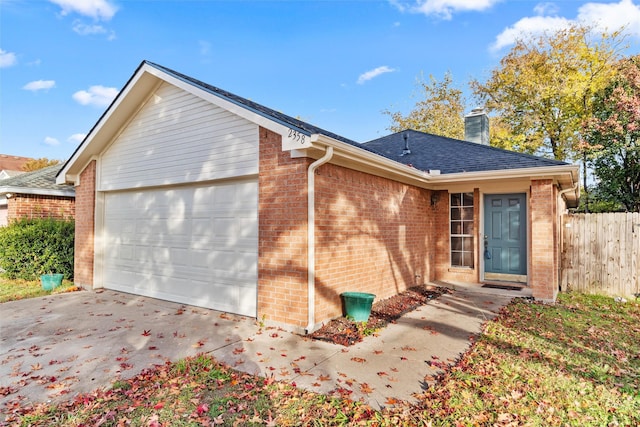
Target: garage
pixel 195 244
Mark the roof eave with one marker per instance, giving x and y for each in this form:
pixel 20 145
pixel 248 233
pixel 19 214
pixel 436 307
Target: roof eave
pixel 38 191
pixel 368 161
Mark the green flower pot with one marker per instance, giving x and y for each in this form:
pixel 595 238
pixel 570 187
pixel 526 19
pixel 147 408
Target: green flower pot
pixel 357 305
pixel 51 281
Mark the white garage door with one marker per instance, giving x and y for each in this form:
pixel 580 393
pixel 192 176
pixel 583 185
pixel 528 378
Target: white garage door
pixel 194 245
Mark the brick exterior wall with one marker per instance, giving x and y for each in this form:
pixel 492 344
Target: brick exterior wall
pixel 372 235
pixel 38 206
pixel 282 233
pixel 543 271
pixel 85 218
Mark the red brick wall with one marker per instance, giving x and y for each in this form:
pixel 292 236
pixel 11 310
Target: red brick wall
pixel 85 218
pixel 372 235
pixel 38 206
pixel 282 234
pixel 543 277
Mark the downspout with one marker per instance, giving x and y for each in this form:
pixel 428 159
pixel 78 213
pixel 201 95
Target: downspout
pixel 311 237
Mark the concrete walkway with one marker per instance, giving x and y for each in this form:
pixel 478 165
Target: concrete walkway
pixel 55 347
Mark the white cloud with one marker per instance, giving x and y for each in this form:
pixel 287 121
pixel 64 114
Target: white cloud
pixel 604 17
pixel 443 8
pixel 96 9
pixel 39 85
pixel 529 26
pixel 98 96
pixel 609 17
pixel 7 59
pixel 76 138
pixel 85 30
pixel 365 77
pixel 51 141
pixel 547 8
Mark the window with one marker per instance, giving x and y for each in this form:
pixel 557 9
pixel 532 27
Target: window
pixel 461 219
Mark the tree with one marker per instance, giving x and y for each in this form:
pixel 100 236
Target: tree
pixel 543 88
pixel 612 136
pixel 35 164
pixel 440 112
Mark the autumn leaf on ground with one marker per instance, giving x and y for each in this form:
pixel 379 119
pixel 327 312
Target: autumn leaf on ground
pixel 382 374
pixel 324 377
pixel 391 401
pixel 158 405
pixel 365 388
pixel 378 351
pixel 238 350
pixel 199 344
pixel 358 359
pixel 408 348
pixel 36 367
pixel 146 333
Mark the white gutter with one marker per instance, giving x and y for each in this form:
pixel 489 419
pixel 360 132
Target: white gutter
pixel 63 192
pixel 311 237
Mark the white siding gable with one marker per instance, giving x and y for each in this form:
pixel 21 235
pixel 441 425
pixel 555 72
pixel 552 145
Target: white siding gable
pixel 177 138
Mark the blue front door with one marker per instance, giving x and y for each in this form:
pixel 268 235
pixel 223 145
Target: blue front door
pixel 505 235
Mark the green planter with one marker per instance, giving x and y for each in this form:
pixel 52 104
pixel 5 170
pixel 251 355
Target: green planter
pixel 51 281
pixel 357 305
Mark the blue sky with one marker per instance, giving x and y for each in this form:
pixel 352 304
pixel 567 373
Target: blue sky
pixel 336 64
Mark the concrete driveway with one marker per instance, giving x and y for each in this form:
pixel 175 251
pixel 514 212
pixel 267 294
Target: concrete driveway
pixel 55 347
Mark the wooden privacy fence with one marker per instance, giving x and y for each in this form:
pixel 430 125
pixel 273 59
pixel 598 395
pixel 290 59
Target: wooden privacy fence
pixel 601 253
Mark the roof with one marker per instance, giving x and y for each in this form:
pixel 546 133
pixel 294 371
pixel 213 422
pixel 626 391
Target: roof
pixel 4 173
pixel 41 181
pixel 12 163
pixel 455 160
pixel 432 152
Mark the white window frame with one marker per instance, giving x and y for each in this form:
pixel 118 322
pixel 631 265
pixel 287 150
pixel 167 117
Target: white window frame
pixel 467 256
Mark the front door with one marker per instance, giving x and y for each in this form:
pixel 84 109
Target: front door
pixel 505 237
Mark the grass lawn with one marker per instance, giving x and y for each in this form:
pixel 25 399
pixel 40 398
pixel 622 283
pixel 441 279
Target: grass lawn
pixel 19 289
pixel 575 363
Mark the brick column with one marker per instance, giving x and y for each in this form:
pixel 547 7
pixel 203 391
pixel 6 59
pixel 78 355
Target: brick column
pixel 85 225
pixel 543 275
pixel 282 234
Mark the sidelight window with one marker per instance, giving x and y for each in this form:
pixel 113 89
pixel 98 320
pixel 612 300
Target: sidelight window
pixel 461 220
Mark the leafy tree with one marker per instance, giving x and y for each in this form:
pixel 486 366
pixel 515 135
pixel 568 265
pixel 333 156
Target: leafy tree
pixel 440 112
pixel 613 136
pixel 543 88
pixel 35 164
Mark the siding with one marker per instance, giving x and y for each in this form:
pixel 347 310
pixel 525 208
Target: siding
pixel 178 138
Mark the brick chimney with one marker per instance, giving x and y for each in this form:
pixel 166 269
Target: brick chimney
pixel 476 126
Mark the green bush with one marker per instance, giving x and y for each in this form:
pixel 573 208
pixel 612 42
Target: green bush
pixel 32 247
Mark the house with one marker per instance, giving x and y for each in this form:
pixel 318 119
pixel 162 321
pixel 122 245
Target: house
pixel 189 193
pixel 36 195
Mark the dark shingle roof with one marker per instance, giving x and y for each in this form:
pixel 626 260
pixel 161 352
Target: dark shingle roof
pixel 432 152
pixel 42 179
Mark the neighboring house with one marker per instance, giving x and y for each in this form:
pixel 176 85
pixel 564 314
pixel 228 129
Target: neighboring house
pixel 189 193
pixel 10 166
pixel 36 195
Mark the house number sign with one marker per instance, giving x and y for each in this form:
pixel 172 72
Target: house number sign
pixel 296 136
pixel 295 140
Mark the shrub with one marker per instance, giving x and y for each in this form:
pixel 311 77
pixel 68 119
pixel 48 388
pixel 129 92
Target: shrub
pixel 32 247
